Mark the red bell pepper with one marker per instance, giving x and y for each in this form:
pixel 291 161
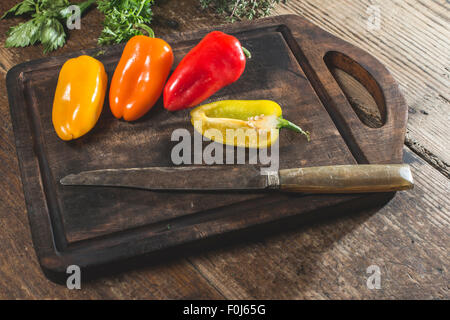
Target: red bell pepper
pixel 217 61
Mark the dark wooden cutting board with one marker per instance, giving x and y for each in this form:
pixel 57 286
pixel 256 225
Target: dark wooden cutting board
pixel 293 63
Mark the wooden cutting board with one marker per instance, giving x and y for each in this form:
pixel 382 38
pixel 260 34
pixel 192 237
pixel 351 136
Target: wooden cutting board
pixel 294 63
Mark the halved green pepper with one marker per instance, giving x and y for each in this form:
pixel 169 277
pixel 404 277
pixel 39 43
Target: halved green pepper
pixel 243 123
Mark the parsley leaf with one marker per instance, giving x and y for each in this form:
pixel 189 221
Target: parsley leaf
pixel 23 34
pixel 52 35
pixel 124 19
pixel 46 24
pixel 26 6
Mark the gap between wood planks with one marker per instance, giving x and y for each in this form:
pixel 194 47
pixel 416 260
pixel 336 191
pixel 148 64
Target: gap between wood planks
pixel 427 156
pixel 367 110
pixel 327 259
pixel 411 42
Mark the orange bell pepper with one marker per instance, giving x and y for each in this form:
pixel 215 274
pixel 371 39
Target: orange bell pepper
pixel 79 97
pixel 140 76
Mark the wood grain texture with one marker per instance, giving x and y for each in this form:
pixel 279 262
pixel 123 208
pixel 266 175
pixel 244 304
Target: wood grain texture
pixel 407 239
pixel 416 262
pixel 412 42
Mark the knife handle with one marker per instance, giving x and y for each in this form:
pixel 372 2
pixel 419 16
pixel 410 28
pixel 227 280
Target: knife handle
pixel 347 179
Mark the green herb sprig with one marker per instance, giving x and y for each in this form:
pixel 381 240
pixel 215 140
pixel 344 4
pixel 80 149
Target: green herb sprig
pixel 124 19
pixel 46 25
pixel 241 9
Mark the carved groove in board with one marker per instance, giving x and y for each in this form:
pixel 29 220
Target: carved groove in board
pixel 323 95
pixel 365 97
pixel 55 220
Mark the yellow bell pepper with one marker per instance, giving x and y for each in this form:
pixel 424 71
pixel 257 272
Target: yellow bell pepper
pixel 79 97
pixel 243 123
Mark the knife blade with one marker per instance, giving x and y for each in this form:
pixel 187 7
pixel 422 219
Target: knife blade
pixel 327 179
pixel 173 178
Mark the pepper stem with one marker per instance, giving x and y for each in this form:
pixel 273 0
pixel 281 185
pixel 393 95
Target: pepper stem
pixel 283 123
pixel 247 53
pixel 149 30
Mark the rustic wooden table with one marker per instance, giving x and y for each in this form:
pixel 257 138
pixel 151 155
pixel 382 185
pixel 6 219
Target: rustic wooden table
pixel 408 239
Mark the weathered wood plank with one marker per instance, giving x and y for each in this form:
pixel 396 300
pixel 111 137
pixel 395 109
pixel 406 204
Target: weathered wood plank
pixel 408 239
pixel 412 42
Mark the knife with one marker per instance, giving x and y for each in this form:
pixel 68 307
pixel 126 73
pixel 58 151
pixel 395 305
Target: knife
pixel 328 179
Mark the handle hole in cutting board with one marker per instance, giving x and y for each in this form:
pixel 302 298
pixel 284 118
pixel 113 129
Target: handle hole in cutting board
pixel 359 87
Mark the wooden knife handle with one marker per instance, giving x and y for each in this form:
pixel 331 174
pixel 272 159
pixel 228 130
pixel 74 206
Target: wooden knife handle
pixel 347 179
